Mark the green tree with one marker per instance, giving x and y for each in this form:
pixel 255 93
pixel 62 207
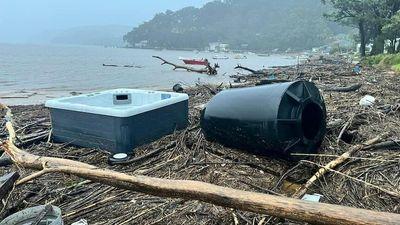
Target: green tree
pixel 252 25
pixel 391 31
pixel 369 16
pixel 383 11
pixel 356 13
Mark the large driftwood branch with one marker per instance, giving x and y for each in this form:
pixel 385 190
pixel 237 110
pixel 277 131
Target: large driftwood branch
pixel 311 212
pixel 210 70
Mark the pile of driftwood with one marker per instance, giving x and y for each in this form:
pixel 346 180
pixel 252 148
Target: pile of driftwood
pixel 358 166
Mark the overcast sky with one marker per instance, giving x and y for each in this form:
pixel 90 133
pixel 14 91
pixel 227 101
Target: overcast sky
pixel 20 20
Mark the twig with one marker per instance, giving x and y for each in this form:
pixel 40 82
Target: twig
pixel 235 219
pixel 392 193
pixel 321 172
pixel 345 126
pixel 142 213
pixel 34 176
pixel 283 177
pixel 336 156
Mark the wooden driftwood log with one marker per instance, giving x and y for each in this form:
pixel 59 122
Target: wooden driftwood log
pixel 351 88
pixel 210 70
pixel 283 207
pixel 255 72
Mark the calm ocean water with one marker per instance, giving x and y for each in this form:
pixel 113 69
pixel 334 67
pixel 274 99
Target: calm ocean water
pixel 30 74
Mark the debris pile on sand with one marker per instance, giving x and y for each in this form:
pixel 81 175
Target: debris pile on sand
pixel 368 179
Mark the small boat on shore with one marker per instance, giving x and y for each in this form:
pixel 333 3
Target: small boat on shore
pixel 194 61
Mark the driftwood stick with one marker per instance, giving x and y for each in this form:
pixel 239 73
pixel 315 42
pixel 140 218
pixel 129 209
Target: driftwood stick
pixel 344 128
pixel 33 176
pixel 331 165
pixel 256 72
pixel 392 193
pixel 351 88
pixel 386 144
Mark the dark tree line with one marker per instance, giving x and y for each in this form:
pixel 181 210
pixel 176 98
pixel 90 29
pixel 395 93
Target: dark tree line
pixel 376 21
pixel 255 25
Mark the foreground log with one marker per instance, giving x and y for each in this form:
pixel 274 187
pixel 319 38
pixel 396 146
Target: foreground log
pixel 299 210
pixel 210 70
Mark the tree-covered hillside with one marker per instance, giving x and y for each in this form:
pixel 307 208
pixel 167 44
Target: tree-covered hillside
pixel 258 25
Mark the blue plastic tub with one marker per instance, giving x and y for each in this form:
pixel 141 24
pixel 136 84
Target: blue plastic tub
pixel 117 120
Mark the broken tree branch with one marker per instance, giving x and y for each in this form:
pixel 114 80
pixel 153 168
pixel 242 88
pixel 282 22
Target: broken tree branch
pixel 210 70
pixel 256 72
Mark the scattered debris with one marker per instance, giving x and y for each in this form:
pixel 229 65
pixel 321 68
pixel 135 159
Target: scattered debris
pixel 357 69
pixel 47 214
pixel 126 66
pixel 119 158
pixel 177 88
pixel 367 100
pixel 5 160
pixel 312 198
pixel 7 183
pixel 81 222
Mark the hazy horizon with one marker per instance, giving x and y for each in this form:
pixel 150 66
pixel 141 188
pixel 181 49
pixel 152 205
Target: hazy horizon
pixel 23 21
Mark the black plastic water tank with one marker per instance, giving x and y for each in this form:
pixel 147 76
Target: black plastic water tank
pixel 273 120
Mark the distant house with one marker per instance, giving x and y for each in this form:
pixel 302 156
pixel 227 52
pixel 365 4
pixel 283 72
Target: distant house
pixel 368 47
pixel 218 47
pixel 142 44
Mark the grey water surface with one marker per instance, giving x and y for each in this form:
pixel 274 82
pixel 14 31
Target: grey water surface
pixel 30 74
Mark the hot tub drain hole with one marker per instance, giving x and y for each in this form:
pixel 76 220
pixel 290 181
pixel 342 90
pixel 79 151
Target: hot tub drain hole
pixel 311 120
